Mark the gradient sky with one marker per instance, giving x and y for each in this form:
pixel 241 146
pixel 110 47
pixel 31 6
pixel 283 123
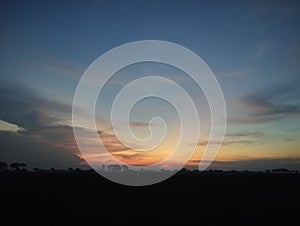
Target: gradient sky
pixel 253 47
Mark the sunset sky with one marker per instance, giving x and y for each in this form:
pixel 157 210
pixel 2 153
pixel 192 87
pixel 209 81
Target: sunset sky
pixel 253 48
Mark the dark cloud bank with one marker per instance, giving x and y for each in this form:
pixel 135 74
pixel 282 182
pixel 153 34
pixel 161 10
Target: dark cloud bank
pixel 43 143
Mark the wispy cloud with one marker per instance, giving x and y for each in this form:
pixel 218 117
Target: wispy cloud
pixel 230 74
pixel 266 104
pixel 112 143
pixel 272 104
pixel 64 67
pixel 225 142
pixel 142 124
pixel 124 81
pixel 245 134
pixel 244 138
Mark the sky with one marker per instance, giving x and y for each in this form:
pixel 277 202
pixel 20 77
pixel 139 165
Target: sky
pixel 253 48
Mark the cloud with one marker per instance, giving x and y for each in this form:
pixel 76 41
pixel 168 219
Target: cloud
pixel 233 73
pixel 28 109
pixel 9 127
pixel 259 164
pixel 245 134
pixel 244 138
pixel 36 153
pixel 127 156
pixel 266 105
pixel 225 142
pixel 253 164
pixel 269 105
pixel 123 81
pixel 111 143
pixel 64 67
pixel 41 134
pixel 142 124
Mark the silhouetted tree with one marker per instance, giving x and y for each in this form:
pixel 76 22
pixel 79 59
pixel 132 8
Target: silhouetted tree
pixel 282 170
pixel 18 166
pixel 3 166
pixel 78 170
pixel 124 167
pixel 115 168
pixel 184 170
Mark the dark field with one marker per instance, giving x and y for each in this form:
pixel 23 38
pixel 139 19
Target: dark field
pixel 208 198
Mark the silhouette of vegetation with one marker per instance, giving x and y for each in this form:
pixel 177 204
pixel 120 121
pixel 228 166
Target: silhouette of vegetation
pixel 18 166
pixel 123 168
pixel 114 168
pixel 213 197
pixel 36 169
pixel 3 166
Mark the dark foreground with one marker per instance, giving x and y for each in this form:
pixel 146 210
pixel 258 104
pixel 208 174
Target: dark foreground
pixel 85 198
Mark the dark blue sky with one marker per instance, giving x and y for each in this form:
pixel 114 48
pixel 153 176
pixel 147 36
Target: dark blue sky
pixel 253 48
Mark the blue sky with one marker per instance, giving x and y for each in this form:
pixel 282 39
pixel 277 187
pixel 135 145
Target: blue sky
pixel 253 48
